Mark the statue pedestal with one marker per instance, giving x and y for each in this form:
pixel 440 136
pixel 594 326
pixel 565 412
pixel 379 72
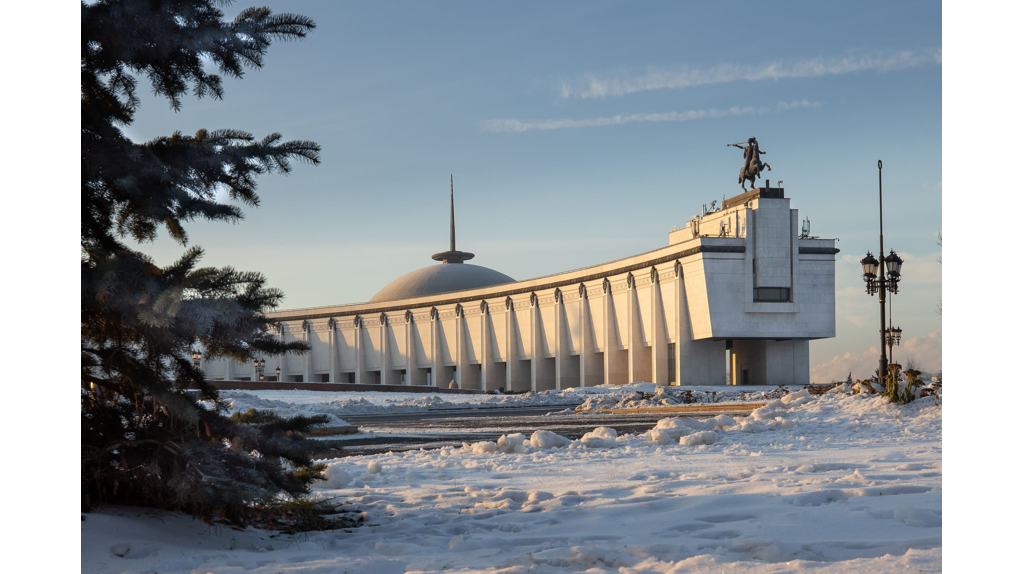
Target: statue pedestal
pixel 765 192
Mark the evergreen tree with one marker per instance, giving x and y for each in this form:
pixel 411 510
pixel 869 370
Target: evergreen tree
pixel 145 441
pixel 849 378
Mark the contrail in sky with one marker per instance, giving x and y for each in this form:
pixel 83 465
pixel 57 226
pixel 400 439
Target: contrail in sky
pixel 512 125
pixel 616 84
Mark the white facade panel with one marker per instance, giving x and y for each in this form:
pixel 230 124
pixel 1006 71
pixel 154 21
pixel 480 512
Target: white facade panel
pixel 499 322
pixel 422 341
pixel 321 350
pixel 620 319
pixel 597 322
pixel 293 366
pixel 573 326
pixel 546 330
pixel 643 296
pixel 446 340
pixel 372 345
pixel 396 346
pixel 474 339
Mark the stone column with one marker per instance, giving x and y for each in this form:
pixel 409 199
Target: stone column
pixel 410 350
pixel 514 379
pixel 659 334
pixel 536 349
pixel 615 365
pixel 684 333
pixel 283 357
pixel 307 364
pixel 228 362
pixel 562 356
pixel 486 353
pixel 609 324
pixel 634 338
pixel 589 365
pixel 436 368
pixel 802 362
pixel 460 346
pixel 332 341
pixel 385 352
pixel 361 374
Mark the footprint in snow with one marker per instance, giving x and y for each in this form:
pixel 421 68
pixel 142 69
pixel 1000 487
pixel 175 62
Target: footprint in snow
pixel 134 550
pixel 690 527
pixel 722 518
pixel 718 535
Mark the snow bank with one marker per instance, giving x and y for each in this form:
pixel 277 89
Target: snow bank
pixel 335 476
pixel 724 421
pixel 518 443
pixel 512 443
pixel 601 437
pixel 340 404
pixel 670 430
pixel 836 483
pixel 238 401
pixel 699 437
pixel 797 398
pixel 546 439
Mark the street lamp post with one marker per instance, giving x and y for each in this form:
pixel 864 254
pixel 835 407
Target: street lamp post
pixel 875 273
pixel 278 371
pixel 197 358
pixel 892 337
pixel 259 365
pixel 893 265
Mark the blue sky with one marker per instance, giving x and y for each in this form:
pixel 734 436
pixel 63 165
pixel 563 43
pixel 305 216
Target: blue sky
pixel 579 133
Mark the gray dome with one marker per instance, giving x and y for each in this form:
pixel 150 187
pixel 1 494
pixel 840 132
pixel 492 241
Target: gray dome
pixel 442 278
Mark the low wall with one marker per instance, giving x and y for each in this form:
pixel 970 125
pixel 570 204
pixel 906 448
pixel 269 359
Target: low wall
pixel 340 387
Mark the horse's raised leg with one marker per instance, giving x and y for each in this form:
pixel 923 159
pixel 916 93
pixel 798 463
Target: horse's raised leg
pixel 768 167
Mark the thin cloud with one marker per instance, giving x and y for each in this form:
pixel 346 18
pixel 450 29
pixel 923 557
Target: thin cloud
pixel 925 350
pixel 514 126
pixel 605 85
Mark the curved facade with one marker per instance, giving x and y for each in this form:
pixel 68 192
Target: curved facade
pixel 442 278
pixel 734 298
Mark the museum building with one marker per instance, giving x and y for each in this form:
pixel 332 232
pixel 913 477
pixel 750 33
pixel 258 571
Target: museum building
pixel 734 298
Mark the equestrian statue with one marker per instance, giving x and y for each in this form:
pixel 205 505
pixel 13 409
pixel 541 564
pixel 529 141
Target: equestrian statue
pixel 752 165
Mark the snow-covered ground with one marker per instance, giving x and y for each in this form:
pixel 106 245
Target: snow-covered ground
pixel 339 404
pixel 840 483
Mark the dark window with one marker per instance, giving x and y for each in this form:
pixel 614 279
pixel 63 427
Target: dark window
pixel 671 363
pixel 771 294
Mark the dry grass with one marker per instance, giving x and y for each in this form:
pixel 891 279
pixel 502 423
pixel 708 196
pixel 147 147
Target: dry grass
pixel 333 431
pixel 304 515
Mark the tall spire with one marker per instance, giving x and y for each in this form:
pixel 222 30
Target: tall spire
pixel 452 256
pixel 452 181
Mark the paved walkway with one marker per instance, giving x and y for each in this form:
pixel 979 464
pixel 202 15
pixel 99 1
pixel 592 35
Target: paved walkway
pixel 701 409
pixel 435 429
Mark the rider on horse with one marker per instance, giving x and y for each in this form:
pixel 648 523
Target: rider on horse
pixel 752 165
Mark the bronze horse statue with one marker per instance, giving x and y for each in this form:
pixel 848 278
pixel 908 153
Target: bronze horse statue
pixel 752 165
